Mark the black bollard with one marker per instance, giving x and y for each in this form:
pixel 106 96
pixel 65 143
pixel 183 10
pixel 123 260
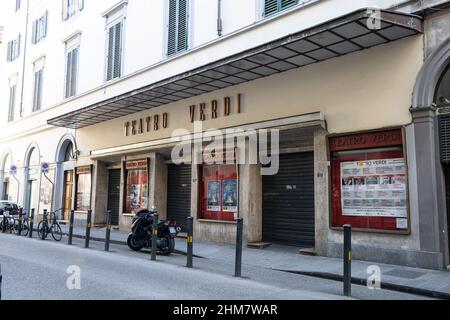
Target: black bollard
pixel 108 230
pixel 190 242
pixel 347 260
pixel 4 222
pixel 30 234
pixel 44 225
pixel 155 235
pixel 19 227
pixel 88 229
pixel 239 240
pixel 71 221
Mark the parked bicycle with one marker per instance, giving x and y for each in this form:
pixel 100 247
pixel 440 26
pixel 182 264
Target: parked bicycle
pixel 50 225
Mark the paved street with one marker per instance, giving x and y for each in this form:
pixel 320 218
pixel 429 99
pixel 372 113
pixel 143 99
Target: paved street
pixel 35 269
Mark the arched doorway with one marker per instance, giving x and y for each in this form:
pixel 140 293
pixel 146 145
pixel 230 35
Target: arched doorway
pixel 32 178
pixel 431 135
pixel 66 156
pixel 5 186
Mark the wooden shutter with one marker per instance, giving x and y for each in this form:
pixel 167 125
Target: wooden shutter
pixel 74 73
pixel 12 103
pixel 172 32
pixel 110 62
pixel 9 52
pixel 182 25
pixel 68 74
pixel 274 6
pixel 44 34
pixel 117 50
pixel 65 10
pixel 38 77
pixel 177 26
pixel 80 5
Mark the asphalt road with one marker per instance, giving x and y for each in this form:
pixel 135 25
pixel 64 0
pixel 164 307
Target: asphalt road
pixel 35 269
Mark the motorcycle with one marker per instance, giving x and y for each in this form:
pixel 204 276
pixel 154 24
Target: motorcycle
pixel 142 229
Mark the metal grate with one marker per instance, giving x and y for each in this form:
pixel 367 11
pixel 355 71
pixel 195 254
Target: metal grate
pixel 444 137
pixel 338 37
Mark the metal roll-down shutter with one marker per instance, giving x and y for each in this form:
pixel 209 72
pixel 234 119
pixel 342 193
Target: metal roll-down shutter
pixel 288 202
pixel 179 193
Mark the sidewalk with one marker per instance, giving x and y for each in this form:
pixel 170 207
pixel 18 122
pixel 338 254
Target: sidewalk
pixel 398 278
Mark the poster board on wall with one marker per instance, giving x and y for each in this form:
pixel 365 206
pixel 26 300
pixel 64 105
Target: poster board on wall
pixel 370 182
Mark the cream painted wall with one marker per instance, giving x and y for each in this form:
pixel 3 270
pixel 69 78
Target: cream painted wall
pixel 361 91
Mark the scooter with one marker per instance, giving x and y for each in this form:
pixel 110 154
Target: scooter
pixel 142 229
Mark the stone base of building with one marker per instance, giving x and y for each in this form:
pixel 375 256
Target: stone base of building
pixel 410 258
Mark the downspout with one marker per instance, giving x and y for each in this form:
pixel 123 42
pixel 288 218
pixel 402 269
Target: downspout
pixel 24 59
pixel 219 18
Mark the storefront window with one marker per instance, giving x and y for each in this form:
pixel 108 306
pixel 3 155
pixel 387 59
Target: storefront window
pixel 369 181
pixel 219 192
pixel 83 189
pixel 136 191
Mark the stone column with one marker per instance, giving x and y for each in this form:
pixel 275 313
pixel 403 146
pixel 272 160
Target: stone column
pixel 158 185
pixel 428 188
pixel 322 191
pixel 99 197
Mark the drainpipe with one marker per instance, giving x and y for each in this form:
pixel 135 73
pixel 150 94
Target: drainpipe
pixel 24 58
pixel 219 18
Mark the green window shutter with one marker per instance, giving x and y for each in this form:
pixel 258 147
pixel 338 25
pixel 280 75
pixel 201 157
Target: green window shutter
pixel 9 52
pixel 45 24
pixel 68 73
pixel 270 7
pixel 118 51
pixel 114 64
pixel 178 26
pixel 273 6
pixel 12 103
pixel 74 72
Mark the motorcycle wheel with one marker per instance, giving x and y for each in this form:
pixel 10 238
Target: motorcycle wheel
pixel 131 243
pixel 170 246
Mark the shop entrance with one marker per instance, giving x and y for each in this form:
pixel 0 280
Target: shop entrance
pixel 179 193
pixel 288 202
pixel 114 194
pixel 68 190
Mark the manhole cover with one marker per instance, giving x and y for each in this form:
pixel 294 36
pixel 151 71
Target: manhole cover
pixel 407 274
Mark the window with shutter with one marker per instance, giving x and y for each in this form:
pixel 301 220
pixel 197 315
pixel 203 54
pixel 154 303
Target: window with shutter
pixel 12 103
pixel 39 28
pixel 37 92
pixel 273 6
pixel 13 50
pixel 18 3
pixel 177 26
pixel 71 7
pixel 114 58
pixel 71 73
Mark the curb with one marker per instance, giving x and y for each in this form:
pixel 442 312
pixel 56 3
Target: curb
pixel 384 285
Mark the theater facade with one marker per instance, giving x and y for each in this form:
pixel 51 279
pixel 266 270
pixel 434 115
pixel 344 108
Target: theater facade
pixel 298 136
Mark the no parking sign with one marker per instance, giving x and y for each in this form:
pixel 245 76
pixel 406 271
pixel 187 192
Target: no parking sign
pixel 13 170
pixel 45 167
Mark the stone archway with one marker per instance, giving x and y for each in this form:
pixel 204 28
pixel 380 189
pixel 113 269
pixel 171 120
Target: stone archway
pixel 428 168
pixel 32 178
pixel 64 163
pixel 5 162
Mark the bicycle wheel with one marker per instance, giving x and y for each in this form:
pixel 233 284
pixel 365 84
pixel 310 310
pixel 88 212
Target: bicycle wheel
pixel 42 230
pixel 25 228
pixel 56 232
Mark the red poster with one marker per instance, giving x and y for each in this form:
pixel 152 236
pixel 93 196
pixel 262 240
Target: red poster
pixel 369 189
pixel 217 182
